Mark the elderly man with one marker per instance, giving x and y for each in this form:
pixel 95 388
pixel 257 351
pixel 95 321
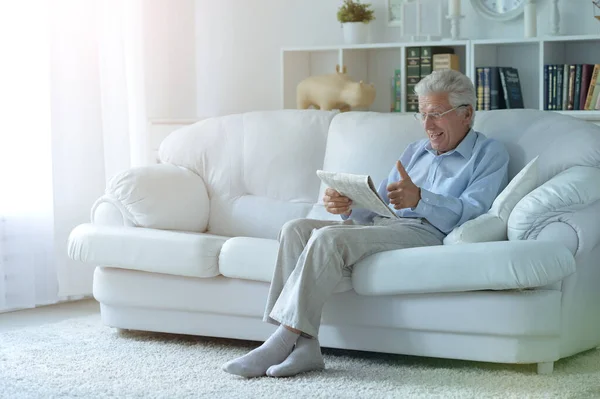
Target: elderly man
pixel 437 184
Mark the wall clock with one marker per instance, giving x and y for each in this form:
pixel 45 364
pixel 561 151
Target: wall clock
pixel 499 10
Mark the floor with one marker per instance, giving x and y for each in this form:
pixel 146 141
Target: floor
pixel 47 314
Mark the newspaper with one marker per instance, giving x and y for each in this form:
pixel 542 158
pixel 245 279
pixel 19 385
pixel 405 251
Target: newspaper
pixel 359 188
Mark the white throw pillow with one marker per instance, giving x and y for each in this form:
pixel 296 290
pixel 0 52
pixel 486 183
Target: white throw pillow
pixel 492 226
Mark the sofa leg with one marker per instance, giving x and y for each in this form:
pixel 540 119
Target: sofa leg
pixel 545 367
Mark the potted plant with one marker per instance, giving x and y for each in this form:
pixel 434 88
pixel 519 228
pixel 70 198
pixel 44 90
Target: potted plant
pixel 355 17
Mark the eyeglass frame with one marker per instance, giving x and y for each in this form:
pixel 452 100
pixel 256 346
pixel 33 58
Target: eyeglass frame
pixel 438 115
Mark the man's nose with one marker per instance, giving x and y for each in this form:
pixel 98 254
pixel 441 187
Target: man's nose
pixel 428 122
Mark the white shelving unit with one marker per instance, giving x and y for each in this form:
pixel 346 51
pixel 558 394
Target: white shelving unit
pixel 376 63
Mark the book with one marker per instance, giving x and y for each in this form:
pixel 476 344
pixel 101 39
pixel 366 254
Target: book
pixel 571 88
pixel 486 89
pixel 479 88
pixel 555 88
pixel 560 85
pixel 546 78
pixel 413 76
pixel 360 189
pixel 496 94
pixel 446 61
pixel 586 75
pixel 427 54
pixel 511 87
pixel 552 71
pixel 577 90
pixel 593 89
pixel 396 92
pixel 562 88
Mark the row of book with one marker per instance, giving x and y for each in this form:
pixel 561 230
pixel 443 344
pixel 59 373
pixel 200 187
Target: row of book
pixel 573 87
pixel 498 88
pixel 422 61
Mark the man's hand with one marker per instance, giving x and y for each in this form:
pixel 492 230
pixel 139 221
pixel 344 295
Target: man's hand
pixel 336 203
pixel 403 193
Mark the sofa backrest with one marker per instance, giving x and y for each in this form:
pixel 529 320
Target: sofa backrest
pixel 370 143
pixel 560 141
pixel 258 167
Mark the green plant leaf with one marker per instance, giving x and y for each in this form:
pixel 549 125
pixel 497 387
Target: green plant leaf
pixel 355 11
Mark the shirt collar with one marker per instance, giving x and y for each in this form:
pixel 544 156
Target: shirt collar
pixel 465 148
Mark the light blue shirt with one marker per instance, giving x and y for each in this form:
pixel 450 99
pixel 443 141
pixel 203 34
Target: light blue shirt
pixel 456 186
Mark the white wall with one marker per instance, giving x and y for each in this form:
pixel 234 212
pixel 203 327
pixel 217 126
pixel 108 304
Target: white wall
pixel 170 59
pixel 238 42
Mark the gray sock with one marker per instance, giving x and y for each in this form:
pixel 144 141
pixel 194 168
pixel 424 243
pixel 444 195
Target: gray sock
pixel 273 351
pixel 306 356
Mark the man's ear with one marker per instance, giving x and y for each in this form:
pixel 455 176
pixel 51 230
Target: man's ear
pixel 468 115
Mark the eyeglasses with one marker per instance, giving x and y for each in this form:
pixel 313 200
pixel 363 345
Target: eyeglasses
pixel 422 117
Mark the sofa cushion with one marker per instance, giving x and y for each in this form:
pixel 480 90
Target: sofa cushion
pixel 254 259
pixel 248 258
pixel 492 225
pixel 150 250
pixel 497 265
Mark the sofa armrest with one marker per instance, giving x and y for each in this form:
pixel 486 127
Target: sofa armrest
pixel 570 199
pixel 494 265
pixel 161 196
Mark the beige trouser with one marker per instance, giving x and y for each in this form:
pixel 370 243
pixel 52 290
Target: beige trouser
pixel 314 256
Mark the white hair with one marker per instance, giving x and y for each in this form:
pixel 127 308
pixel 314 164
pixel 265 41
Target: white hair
pixel 460 89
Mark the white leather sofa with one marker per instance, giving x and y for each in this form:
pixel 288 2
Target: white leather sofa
pixel 189 245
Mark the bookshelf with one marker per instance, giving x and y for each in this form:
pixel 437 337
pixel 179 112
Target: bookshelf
pixel 377 62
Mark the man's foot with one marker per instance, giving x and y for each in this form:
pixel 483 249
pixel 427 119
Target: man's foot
pixel 306 356
pixel 273 351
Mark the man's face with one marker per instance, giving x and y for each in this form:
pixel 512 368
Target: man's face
pixel 446 132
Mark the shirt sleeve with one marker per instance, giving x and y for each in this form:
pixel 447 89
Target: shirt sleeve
pixel 491 175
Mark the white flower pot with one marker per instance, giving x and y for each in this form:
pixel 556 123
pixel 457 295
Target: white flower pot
pixel 355 32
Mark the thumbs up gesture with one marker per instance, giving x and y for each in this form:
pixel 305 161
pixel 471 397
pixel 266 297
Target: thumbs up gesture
pixel 403 193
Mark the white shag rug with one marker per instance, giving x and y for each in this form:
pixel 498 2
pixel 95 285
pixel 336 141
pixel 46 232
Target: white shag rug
pixel 81 358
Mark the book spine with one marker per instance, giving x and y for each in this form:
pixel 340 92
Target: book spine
pixel 596 94
pixel 571 88
pixel 554 98
pixel 397 91
pixel 426 62
pixel 577 90
pixel 546 73
pixel 479 88
pixel 586 75
pixel 504 88
pixel 445 61
pixel 565 87
pixel 559 87
pixel 393 94
pixel 413 76
pixel 511 85
pixel 486 89
pixel 496 97
pixel 590 94
pixel 551 70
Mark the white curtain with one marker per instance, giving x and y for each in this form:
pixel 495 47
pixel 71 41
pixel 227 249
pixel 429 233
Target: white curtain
pixel 72 115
